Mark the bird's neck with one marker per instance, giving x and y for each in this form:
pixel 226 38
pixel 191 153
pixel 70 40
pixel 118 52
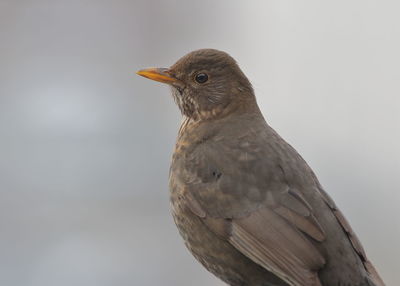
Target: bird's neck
pixel 209 123
pixel 241 104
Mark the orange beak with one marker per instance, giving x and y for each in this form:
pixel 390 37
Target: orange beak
pixel 157 74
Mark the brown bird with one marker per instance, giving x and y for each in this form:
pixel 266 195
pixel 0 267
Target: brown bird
pixel 247 205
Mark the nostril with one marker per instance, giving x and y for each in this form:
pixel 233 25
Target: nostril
pixel 216 174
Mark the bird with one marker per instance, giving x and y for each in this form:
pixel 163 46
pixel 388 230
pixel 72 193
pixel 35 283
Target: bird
pixel 247 205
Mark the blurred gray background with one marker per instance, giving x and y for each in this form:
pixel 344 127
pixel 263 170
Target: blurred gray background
pixel 85 144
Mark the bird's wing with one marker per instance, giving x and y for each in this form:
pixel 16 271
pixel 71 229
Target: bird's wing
pixel 269 241
pixel 264 218
pixel 275 237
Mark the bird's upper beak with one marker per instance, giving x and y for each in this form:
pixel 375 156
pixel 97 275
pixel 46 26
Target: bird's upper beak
pixel 158 74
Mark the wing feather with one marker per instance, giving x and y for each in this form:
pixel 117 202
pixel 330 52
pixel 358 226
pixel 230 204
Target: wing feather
pixel 272 237
pixel 271 242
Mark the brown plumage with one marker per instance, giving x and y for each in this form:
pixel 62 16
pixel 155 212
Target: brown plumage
pixel 247 205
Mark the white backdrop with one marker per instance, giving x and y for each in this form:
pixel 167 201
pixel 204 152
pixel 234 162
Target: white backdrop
pixel 85 144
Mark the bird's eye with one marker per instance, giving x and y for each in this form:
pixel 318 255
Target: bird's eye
pixel 201 77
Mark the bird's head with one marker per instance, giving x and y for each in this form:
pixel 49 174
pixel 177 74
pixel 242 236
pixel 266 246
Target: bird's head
pixel 205 84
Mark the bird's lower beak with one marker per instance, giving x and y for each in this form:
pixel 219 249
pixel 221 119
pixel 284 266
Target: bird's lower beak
pixel 158 74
